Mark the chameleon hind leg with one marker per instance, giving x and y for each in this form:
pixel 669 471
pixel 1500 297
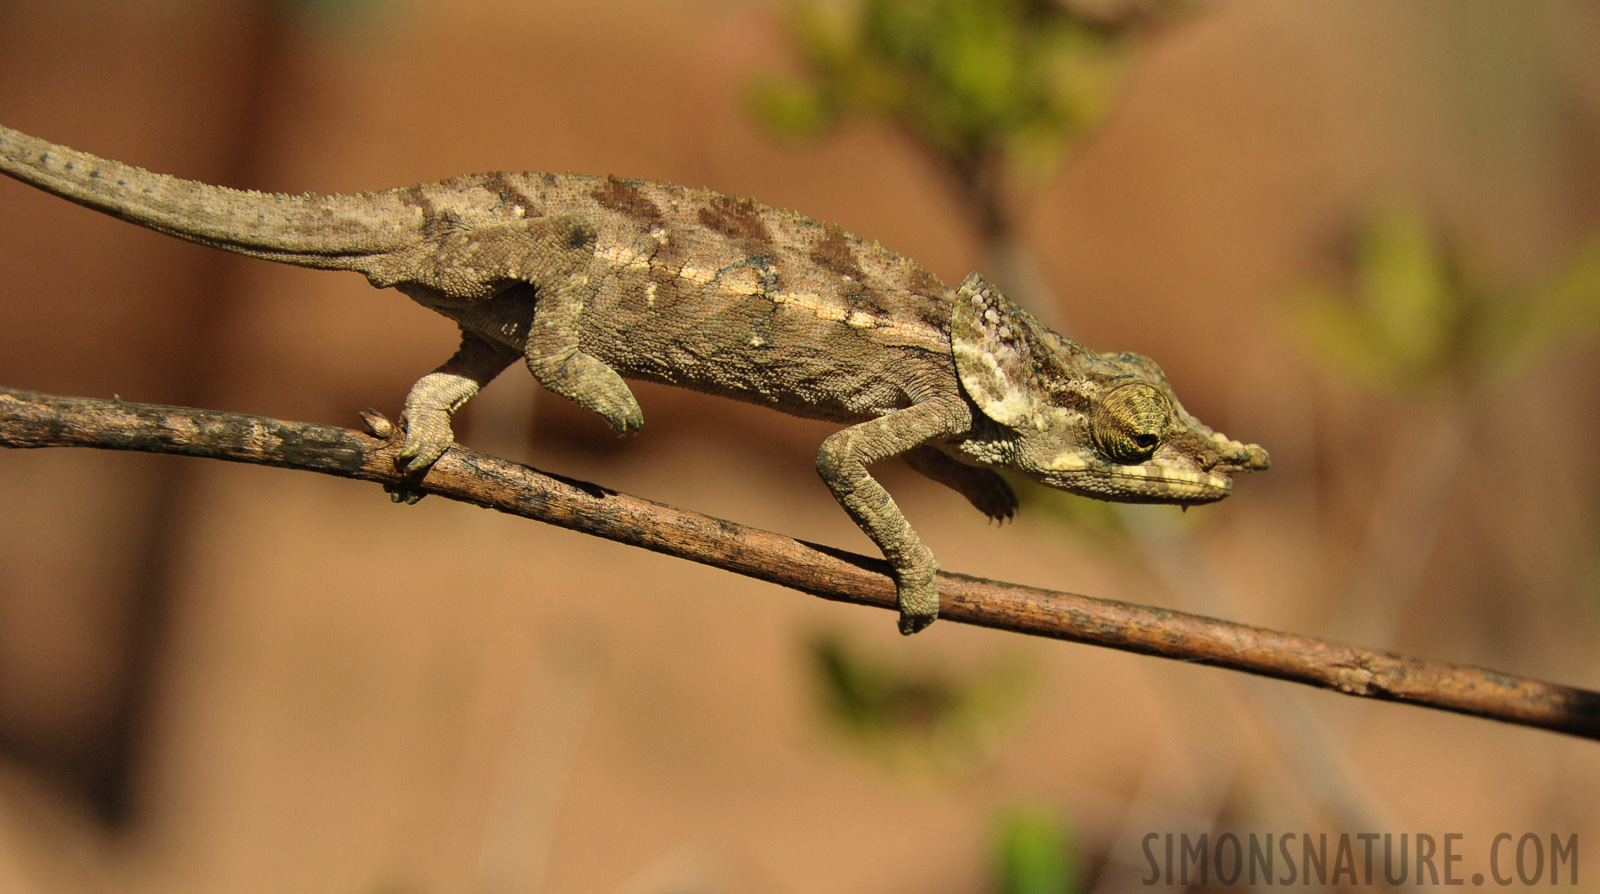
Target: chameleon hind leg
pixel 556 358
pixel 435 398
pixel 556 256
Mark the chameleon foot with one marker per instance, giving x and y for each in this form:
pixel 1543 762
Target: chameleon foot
pixel 428 436
pixel 620 410
pixel 919 603
pixel 590 383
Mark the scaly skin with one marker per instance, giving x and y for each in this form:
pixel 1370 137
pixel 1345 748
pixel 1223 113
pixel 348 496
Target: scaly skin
pixel 593 280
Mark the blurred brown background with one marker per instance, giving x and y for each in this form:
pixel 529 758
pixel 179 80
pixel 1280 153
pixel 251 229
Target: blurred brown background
pixel 233 679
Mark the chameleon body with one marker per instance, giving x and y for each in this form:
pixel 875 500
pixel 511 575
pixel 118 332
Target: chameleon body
pixel 591 280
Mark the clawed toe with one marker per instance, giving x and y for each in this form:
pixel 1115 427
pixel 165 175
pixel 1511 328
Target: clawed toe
pixel 400 493
pixel 919 605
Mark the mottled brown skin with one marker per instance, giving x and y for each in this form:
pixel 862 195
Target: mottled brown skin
pixel 592 280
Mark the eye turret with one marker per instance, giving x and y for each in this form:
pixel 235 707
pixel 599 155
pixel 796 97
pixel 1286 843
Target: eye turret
pixel 1129 423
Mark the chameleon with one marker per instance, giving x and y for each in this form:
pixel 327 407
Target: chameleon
pixel 591 280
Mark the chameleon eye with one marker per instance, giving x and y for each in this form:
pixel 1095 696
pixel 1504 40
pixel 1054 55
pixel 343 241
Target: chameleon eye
pixel 1128 423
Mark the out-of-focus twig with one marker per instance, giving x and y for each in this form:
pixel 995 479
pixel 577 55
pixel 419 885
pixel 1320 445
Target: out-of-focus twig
pixel 31 420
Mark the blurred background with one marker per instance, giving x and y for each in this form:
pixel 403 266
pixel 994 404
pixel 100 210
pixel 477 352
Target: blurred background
pixel 1360 233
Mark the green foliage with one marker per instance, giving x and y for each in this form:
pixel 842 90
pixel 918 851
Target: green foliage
pixel 1416 318
pixel 1035 853
pixel 967 79
pixel 1568 306
pixel 1403 321
pixel 922 718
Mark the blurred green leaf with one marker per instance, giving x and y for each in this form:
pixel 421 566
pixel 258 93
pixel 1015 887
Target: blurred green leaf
pixel 793 109
pixel 1409 302
pixel 1398 327
pixel 1567 307
pixel 967 79
pixel 922 717
pixel 1414 319
pixel 1035 853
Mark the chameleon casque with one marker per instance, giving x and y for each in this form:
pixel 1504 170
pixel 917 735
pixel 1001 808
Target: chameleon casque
pixel 590 280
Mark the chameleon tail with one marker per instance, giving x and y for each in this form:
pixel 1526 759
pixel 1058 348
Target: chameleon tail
pixel 328 232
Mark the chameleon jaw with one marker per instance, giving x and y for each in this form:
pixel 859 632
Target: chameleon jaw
pixel 1149 482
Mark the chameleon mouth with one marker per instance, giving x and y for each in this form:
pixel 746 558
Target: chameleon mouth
pixel 1142 483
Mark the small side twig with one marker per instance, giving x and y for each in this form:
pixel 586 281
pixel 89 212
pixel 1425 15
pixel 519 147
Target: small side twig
pixel 29 420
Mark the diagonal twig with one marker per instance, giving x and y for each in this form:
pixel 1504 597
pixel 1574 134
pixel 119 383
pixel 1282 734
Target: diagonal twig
pixel 29 419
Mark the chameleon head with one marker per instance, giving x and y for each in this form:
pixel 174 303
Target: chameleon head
pixel 1105 426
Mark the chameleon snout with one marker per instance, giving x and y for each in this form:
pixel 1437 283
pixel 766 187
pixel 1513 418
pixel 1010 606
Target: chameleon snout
pixel 1237 457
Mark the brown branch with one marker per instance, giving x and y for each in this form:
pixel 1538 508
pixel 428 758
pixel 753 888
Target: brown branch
pixel 36 420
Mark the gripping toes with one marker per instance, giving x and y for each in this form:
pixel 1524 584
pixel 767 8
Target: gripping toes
pixel 428 436
pixel 918 598
pixel 440 393
pixel 916 586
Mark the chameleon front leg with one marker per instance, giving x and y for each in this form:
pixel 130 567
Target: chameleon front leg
pixel 983 488
pixel 437 395
pixel 842 464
